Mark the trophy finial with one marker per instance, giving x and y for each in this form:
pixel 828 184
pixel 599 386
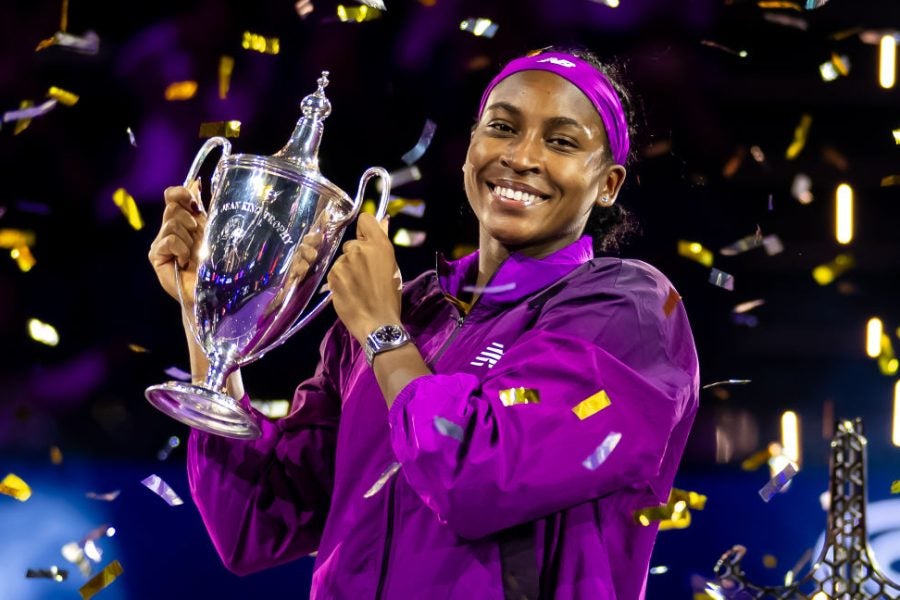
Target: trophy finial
pixel 316 105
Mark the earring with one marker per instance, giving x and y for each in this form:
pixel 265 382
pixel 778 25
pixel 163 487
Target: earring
pixel 605 201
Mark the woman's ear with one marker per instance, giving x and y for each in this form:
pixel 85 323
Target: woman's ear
pixel 609 191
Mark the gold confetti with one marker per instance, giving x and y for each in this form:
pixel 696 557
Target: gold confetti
pixel 12 485
pixel 896 133
pixel 62 96
pixel 22 124
pixel 890 180
pixel 226 66
pixel 480 27
pixel 770 561
pixel 758 459
pixel 101 580
pixel 181 90
pixel 43 332
pixel 357 14
pixel 672 301
pixel 461 250
pixel 14 238
pixel 895 487
pixel 592 405
pixel 519 395
pixel 696 252
pixel 125 201
pixel 777 4
pixel 229 129
pixel 23 257
pixel 56 455
pixel 800 135
pixel 409 238
pixel 138 349
pixel 260 43
pixel 64 16
pixel 675 513
pixel 734 163
pixel 89 43
pixel 825 274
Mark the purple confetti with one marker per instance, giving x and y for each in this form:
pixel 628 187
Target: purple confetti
pixel 159 487
pixel 177 373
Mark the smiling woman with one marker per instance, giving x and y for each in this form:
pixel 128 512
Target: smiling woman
pixel 488 429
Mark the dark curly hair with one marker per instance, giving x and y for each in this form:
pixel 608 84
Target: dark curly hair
pixel 610 226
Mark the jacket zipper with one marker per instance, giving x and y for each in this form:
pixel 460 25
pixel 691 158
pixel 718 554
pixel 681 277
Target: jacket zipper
pixel 388 536
pixel 460 320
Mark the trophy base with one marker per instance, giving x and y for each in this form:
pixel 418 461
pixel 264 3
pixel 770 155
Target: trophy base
pixel 204 409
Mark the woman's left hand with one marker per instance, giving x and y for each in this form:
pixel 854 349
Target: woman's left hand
pixel 365 280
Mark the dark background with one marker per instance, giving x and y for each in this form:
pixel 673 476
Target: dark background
pixel 699 106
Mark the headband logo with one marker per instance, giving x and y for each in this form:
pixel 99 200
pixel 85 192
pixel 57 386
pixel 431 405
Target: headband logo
pixel 560 62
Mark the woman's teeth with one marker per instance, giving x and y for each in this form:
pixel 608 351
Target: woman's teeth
pixel 517 195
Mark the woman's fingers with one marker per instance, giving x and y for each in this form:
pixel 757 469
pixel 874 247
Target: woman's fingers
pixel 169 248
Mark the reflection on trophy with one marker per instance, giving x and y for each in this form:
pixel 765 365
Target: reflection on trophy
pixel 274 225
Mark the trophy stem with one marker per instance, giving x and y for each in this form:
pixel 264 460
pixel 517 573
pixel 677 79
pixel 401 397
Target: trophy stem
pixel 221 365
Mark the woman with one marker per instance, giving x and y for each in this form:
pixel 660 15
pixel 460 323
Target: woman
pixel 485 445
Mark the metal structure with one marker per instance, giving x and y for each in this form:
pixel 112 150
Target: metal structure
pixel 846 568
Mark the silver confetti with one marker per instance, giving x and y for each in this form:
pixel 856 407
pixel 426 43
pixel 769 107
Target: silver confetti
pixel 382 479
pixel 401 177
pixel 448 428
pixel 177 373
pixel 155 484
pixel 490 289
pixel 726 382
pixel 721 279
pixel 422 145
pixel 777 483
pixel 599 456
pixel 30 112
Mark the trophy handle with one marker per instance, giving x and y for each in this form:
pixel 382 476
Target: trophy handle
pixel 380 213
pixel 204 151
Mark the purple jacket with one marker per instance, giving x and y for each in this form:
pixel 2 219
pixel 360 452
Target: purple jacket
pixel 419 501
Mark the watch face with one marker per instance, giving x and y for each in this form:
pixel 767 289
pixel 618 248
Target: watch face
pixel 388 334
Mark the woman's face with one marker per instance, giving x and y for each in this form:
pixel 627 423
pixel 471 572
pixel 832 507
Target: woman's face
pixel 537 163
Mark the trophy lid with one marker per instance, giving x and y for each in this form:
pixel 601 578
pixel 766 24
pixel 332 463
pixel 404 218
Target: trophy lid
pixel 302 149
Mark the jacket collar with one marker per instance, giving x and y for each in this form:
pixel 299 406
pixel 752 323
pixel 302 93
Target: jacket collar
pixel 518 276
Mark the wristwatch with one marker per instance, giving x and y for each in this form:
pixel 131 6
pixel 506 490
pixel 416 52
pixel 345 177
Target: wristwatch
pixel 386 337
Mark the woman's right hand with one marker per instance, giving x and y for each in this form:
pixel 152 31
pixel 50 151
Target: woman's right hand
pixel 179 239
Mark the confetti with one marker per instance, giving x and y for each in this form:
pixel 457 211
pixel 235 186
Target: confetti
pixel 746 320
pixel 74 553
pixel 229 129
pixel 660 570
pixel 23 257
pixel 385 476
pixel 226 67
pixel 260 43
pixel 726 382
pixel 671 302
pixel 825 274
pixel 772 244
pixel 744 244
pixel 890 180
pixel 609 3
pixel 13 485
pixel 675 513
pixel 734 163
pixel 401 177
pixel 181 90
pixel 721 279
pixel 137 349
pixel 787 21
pixel 101 580
pixel 718 46
pixel 177 373
pixel 757 153
pixel 155 484
pixel 398 206
pixel 448 428
pixel 131 139
pixel 56 455
pixel 800 134
pixel 89 43
pixel 171 443
pixel 778 4
pixel 106 496
pixel 126 203
pixel 747 306
pixel 304 8
pixel 409 238
pixel 778 482
pixel 35 208
pixel 519 395
pixel 461 250
pixel 836 67
pixel 769 561
pixel 592 405
pixel 758 459
pixel 895 487
pixel 53 573
pixel 13 238
pixel 490 289
pixel 377 4
pixel 801 188
pixel 599 456
pixel 696 252
pixel 43 332
pixel 357 14
pixel 62 96
pixel 825 500
pixel 30 112
pixel 480 27
pixel 814 4
pixel 414 154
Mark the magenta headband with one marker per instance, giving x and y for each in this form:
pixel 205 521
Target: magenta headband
pixel 586 78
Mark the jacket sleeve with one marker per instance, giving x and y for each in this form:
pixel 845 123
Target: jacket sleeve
pixel 264 502
pixel 615 377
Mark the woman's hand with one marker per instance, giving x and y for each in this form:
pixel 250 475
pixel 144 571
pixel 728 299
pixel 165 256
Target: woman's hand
pixel 365 280
pixel 178 240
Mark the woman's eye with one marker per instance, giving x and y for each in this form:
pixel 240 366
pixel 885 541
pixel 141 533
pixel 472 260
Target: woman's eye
pixel 499 126
pixel 564 142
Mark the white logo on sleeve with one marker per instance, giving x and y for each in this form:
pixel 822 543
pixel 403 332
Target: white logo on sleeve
pixel 489 356
pixel 560 62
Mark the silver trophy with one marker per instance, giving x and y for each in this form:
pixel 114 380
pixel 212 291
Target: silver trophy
pixel 266 212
